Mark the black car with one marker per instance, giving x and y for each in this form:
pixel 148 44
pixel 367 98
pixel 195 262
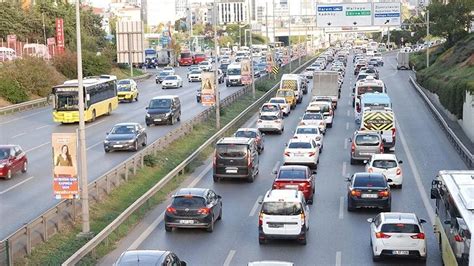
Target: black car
pixel 193 208
pixel 125 136
pixel 223 68
pixel 198 95
pixel 164 109
pixel 149 257
pixel 369 190
pixel 161 76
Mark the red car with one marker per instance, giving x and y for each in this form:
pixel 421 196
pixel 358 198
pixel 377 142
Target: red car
pixel 296 177
pixel 198 58
pixel 186 59
pixel 12 159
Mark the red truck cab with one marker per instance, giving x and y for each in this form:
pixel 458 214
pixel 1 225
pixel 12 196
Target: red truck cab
pixel 186 58
pixel 198 58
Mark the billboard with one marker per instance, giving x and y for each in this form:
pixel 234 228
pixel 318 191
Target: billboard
pixel 65 180
pixel 387 14
pixel 342 15
pixel 208 89
pixel 246 73
pixel 60 35
pixel 270 61
pixel 130 42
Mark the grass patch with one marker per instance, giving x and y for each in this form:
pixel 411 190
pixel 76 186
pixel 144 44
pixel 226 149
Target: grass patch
pixel 63 245
pixel 122 73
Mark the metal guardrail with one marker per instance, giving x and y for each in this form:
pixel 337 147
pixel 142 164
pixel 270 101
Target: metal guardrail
pixel 43 101
pixel 466 155
pixel 104 234
pixel 66 212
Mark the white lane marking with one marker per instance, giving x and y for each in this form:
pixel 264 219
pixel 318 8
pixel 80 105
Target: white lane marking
pixel 338 258
pixel 341 208
pixel 160 218
pixel 43 126
pixel 344 168
pixel 229 258
pixel 26 116
pixel 16 185
pixel 416 174
pixel 16 136
pixel 37 147
pixel 98 143
pixel 347 125
pixel 255 206
pixel 95 123
pixel 345 144
pixel 348 112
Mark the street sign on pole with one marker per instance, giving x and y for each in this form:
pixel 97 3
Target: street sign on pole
pixel 343 15
pixel 387 14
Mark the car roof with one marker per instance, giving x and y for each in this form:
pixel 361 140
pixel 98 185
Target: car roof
pixel 247 129
pixel 233 140
pixel 307 126
pixel 192 191
pixel 293 167
pixel 384 156
pixel 278 98
pixel 399 217
pixel 149 257
pixel 165 97
pixel 366 132
pixel 127 124
pixel 369 175
pixel 287 195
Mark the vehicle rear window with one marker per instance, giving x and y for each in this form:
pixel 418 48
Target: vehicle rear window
pixel 313 116
pixel 124 82
pixel 277 101
pixel 231 150
pixel 373 181
pixel 306 130
pixel 323 107
pixel 386 164
pixel 246 134
pixel 270 108
pixel 299 145
pixel 188 202
pixel 282 208
pixel 367 89
pixel 292 174
pixel 367 140
pixel 4 153
pixel 268 117
pixel 400 228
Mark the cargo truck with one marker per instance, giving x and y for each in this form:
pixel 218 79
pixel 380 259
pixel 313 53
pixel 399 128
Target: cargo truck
pixel 325 83
pixel 403 60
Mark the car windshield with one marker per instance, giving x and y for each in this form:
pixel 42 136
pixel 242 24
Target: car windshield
pixel 299 145
pixel 372 181
pixel 246 134
pixel 4 153
pixel 269 108
pixel 292 174
pixel 196 71
pixel 128 129
pixel 385 164
pixel 188 202
pixel 124 88
pixel 268 117
pixel 204 63
pixel 231 150
pixel 282 208
pixel 233 71
pixel 400 228
pixel 163 74
pixel 171 78
pixel 66 101
pixel 313 116
pixel 307 130
pixel 124 82
pixel 367 140
pixel 160 104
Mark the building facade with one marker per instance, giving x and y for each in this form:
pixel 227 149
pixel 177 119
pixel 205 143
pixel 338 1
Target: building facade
pixel 232 12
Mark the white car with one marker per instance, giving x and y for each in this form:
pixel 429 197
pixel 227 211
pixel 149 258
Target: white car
pixel 225 60
pixel 195 75
pixel 172 81
pixel 285 107
pixel 276 221
pixel 397 234
pixel 325 108
pixel 302 152
pixel 311 132
pixel 169 70
pixel 388 165
pixel 315 119
pixel 273 108
pixel 270 122
pixel 309 72
pixel 205 66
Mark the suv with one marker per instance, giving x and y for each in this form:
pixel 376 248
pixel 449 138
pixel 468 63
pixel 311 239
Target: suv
pixel 271 122
pixel 368 190
pixel 365 144
pixel 236 158
pixel 193 208
pixel 284 214
pixel 296 177
pixel 163 110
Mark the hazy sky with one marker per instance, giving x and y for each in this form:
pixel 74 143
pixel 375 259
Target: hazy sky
pixel 160 10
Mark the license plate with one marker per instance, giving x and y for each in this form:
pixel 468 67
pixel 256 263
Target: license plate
pixel 299 155
pixel 118 146
pixel 366 153
pixel 400 252
pixel 186 221
pixel 369 196
pixel 268 126
pixel 275 225
pixel 158 120
pixel 231 171
pixel 291 186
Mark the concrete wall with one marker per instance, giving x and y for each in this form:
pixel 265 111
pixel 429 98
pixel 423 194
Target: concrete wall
pixel 467 123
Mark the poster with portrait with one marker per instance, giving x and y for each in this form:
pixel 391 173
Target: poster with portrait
pixel 208 89
pixel 246 72
pixel 286 56
pixel 270 61
pixel 65 179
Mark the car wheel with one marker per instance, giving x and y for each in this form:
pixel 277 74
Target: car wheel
pixel 106 150
pixel 350 208
pixel 353 161
pixel 210 228
pixel 215 178
pixel 144 142
pixel 262 241
pixel 400 186
pixel 375 258
pixel 9 174
pixel 388 208
pixel 179 118
pixel 93 116
pixel 220 215
pixel 168 228
pixel 136 98
pixel 109 110
pixel 25 167
pixel 251 178
pixel 135 146
pixel 330 125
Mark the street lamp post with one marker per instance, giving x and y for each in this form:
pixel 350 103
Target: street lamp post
pixel 216 77
pixel 289 34
pixel 251 54
pixel 82 131
pixel 427 38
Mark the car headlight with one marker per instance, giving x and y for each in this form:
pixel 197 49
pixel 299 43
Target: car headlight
pixel 148 115
pixel 131 141
pixel 106 142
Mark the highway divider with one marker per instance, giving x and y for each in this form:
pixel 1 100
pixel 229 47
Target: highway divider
pixel 466 155
pixel 67 212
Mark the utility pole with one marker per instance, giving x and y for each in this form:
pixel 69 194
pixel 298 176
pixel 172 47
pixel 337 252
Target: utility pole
pixel 299 37
pixel 216 77
pixel 245 37
pixel 266 24
pixel 251 52
pixel 82 129
pixel 130 61
pixel 273 18
pixel 289 34
pixel 427 37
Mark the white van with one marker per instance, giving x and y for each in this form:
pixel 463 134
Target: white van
pixel 234 75
pixel 36 50
pixel 7 54
pixel 293 82
pixel 284 215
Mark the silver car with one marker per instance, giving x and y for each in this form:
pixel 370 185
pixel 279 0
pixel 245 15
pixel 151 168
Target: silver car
pixel 364 145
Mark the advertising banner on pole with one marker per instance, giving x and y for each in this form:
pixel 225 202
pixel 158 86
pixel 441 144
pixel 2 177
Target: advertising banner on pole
pixel 65 180
pixel 286 57
pixel 208 89
pixel 270 62
pixel 246 72
pixel 60 34
pixel 387 14
pixel 343 15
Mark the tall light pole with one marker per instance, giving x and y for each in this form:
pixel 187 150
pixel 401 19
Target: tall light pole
pixel 82 128
pixel 289 33
pixel 427 37
pixel 266 23
pixel 216 77
pixel 251 52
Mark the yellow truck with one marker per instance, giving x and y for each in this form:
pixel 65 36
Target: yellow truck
pixel 289 96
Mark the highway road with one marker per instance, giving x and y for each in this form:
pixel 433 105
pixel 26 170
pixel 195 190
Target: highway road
pixel 336 237
pixel 32 130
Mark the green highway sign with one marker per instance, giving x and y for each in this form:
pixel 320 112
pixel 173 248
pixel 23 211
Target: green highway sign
pixel 358 13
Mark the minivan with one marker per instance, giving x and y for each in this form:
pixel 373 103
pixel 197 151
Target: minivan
pixel 164 109
pixel 365 144
pixel 235 158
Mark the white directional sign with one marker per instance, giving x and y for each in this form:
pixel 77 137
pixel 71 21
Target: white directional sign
pixel 344 15
pixel 387 14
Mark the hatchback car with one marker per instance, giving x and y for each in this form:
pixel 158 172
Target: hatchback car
pixel 312 132
pixel 161 76
pixel 252 133
pixel 302 152
pixel 296 177
pixel 314 119
pixel 325 108
pixel 388 165
pixel 125 136
pixel 396 234
pixel 273 108
pixel 270 122
pixel 12 160
pixel 368 190
pixel 127 90
pixel 284 106
pixel 193 208
pixel 364 145
pixel 172 81
pixel 148 257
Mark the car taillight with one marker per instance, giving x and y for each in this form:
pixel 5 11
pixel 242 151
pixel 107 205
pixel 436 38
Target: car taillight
pixel 321 123
pixel 170 210
pixel 318 138
pixel 381 148
pixel 353 147
pixel 384 193
pixel 305 185
pixel 399 171
pixel 249 160
pixel 204 210
pixel 458 238
pixel 276 185
pixel 287 153
pixel 302 219
pixel 311 154
pixel 260 219
pixel 355 193
pixel 393 133
pixel 370 170
pixel 381 235
pixel 259 121
pixel 418 236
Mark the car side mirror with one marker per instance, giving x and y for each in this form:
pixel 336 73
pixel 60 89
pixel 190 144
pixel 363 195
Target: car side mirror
pixel 400 161
pixel 274 172
pixel 435 193
pixel 389 180
pixel 146 108
pixel 384 141
pixel 422 221
pixel 349 139
pixel 348 179
pixel 219 196
pixel 370 220
pixel 314 172
pixel 260 201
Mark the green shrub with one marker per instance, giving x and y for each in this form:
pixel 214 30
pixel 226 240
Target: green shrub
pixel 150 160
pixel 94 65
pixel 66 64
pixel 11 90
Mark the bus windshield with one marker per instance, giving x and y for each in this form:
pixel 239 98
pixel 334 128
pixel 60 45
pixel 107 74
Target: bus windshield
pixel 67 102
pixel 366 89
